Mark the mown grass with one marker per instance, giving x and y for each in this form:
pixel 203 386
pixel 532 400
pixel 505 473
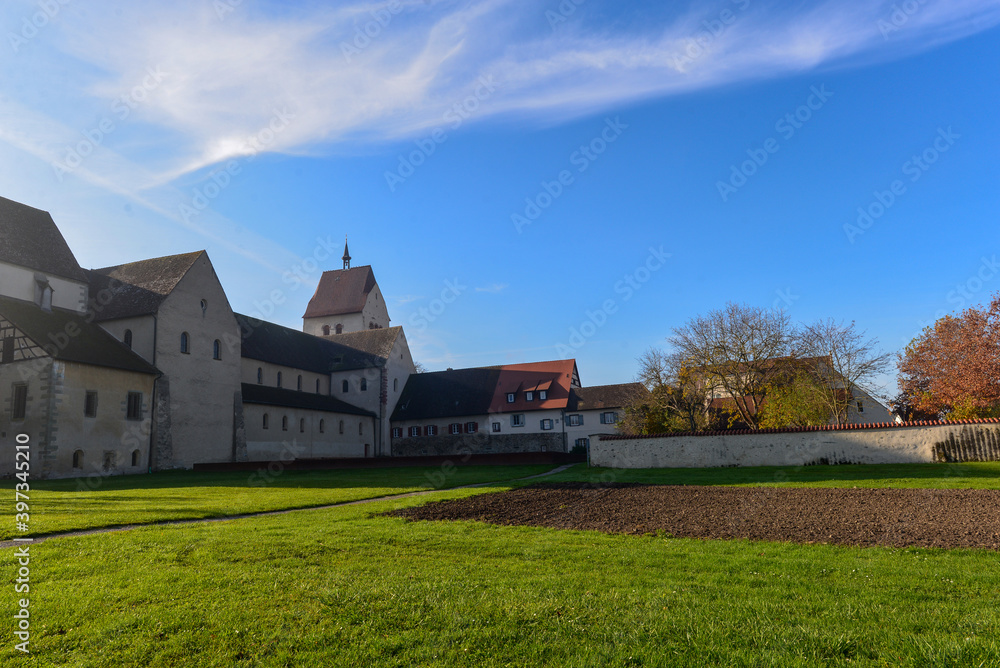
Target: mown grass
pixel 969 475
pixel 66 505
pixel 340 587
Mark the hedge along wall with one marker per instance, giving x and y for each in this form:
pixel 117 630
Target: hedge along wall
pixel 885 443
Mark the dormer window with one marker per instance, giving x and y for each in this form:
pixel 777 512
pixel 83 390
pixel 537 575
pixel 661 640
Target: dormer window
pixel 529 396
pixel 510 397
pixel 543 395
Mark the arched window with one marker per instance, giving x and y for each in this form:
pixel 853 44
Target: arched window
pixel 266 421
pixel 341 426
pixel 127 338
pixel 260 376
pixel 317 386
pixel 135 458
pixel 284 423
pixel 364 384
pixel 322 426
pixel 326 330
pixel 340 329
pixel 279 379
pixel 299 387
pixel 217 350
pixel 395 384
pixel 185 343
pixel 346 386
pixel 204 306
pixel 361 428
pixel 302 425
pixel 78 459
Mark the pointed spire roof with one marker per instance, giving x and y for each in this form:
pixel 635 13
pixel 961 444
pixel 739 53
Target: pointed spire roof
pixel 347 255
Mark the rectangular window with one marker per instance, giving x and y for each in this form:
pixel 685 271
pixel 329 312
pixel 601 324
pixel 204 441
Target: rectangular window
pixel 496 427
pixel 546 425
pixel 134 406
pixel 529 396
pixel 397 432
pixel 582 442
pixel 414 431
pixel 574 421
pixel 517 420
pixel 431 430
pixel 510 397
pixel 861 406
pixel 471 427
pixel 20 406
pixel 454 428
pixel 543 395
pixel 609 418
pixel 90 405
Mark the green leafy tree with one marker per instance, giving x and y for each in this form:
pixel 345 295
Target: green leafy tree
pixel 800 401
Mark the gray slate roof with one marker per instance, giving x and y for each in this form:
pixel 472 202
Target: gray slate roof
pixel 29 238
pixel 443 394
pixel 269 342
pixel 91 345
pixel 277 396
pixel 138 288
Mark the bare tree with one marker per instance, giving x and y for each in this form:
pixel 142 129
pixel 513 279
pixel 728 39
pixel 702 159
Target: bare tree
pixel 844 361
pixel 733 351
pixel 677 399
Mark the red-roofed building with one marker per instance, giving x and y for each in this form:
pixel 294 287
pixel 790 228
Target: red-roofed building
pixel 346 300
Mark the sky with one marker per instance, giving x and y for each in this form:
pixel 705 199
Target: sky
pixel 530 180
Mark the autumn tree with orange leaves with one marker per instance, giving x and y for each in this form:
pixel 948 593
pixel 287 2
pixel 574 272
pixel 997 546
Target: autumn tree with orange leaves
pixel 953 368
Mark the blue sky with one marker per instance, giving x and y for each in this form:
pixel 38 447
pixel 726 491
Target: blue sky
pixel 530 180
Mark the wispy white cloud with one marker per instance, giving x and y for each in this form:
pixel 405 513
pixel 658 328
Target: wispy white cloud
pixel 492 288
pixel 228 73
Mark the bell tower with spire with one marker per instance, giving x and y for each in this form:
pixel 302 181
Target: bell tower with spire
pixel 346 300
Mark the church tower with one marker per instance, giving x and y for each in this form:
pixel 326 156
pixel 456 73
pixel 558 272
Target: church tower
pixel 346 300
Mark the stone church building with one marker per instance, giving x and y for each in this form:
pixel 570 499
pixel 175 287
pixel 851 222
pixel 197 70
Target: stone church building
pixel 145 366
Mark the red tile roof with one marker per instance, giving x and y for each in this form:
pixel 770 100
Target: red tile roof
pixel 555 377
pixel 341 291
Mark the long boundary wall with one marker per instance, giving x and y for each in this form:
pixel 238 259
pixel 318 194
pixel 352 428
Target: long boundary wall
pixel 885 443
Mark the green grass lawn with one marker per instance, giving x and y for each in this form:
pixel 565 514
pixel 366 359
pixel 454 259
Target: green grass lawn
pixel 65 505
pixel 345 587
pixel 971 475
pixel 340 587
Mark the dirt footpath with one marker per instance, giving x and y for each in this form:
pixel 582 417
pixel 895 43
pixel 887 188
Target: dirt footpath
pixel 893 517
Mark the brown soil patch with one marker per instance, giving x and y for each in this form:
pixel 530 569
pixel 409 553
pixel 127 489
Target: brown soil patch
pixel 945 518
